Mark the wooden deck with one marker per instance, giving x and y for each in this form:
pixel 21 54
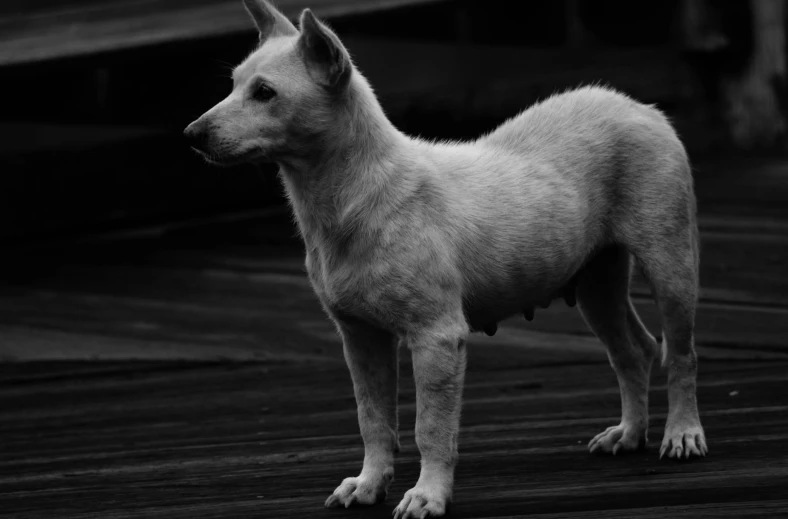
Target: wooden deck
pixel 187 371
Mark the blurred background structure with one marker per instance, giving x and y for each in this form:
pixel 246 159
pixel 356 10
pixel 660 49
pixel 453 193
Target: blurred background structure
pixel 96 93
pixel 162 353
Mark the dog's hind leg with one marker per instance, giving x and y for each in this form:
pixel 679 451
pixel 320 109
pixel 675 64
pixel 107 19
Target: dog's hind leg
pixel 670 262
pixel 603 298
pixel 371 356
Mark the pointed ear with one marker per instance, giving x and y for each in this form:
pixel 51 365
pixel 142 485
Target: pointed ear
pixel 326 58
pixel 268 20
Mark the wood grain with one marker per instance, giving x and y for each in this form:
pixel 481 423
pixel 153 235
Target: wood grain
pixel 138 439
pixel 186 371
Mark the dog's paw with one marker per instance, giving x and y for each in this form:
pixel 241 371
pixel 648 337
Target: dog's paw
pixel 682 441
pixel 421 502
pixel 360 491
pixel 618 438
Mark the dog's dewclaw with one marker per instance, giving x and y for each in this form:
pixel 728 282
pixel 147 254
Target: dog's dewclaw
pixel 490 329
pixel 529 314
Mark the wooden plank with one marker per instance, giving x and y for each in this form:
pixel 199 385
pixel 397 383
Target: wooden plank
pixel 224 440
pixel 234 287
pixel 86 29
pixel 277 317
pixel 741 188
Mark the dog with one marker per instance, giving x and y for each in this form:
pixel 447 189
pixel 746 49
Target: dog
pixel 421 243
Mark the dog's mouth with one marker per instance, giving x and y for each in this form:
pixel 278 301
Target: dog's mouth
pixel 225 160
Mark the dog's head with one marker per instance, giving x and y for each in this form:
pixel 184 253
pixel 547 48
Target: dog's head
pixel 284 94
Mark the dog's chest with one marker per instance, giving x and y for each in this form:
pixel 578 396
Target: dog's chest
pixel 337 284
pixel 327 282
pixel 373 291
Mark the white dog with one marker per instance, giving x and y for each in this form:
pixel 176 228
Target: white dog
pixel 422 243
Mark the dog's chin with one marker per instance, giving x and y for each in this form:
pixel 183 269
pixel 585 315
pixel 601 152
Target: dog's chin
pixel 226 161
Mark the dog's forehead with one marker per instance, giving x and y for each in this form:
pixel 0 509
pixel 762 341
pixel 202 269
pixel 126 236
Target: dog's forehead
pixel 273 56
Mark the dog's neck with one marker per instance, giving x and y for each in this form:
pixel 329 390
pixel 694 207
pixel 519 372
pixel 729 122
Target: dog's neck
pixel 342 189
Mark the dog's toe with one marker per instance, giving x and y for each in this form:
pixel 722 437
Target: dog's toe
pixel 356 491
pixel 617 439
pixel 333 501
pixel 683 443
pixel 419 503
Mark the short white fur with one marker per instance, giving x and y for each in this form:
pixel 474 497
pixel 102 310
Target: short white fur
pixel 420 243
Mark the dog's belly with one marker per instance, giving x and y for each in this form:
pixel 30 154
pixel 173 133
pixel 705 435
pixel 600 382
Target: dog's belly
pixel 488 305
pixel 499 275
pixel 499 289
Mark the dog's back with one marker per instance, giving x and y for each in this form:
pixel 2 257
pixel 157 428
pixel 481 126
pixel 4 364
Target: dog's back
pixel 549 187
pixel 601 142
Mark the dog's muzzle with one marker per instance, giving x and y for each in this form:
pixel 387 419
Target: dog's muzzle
pixel 196 135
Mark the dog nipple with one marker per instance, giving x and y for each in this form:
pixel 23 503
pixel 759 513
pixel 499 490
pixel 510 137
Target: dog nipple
pixel 529 314
pixel 490 329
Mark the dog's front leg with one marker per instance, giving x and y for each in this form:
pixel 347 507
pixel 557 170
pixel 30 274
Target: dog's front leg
pixel 371 356
pixel 439 358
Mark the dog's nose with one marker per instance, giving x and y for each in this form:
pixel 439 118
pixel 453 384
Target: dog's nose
pixel 196 136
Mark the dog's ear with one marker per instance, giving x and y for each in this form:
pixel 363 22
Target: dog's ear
pixel 326 58
pixel 268 20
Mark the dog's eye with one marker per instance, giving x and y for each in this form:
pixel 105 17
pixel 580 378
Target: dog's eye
pixel 263 93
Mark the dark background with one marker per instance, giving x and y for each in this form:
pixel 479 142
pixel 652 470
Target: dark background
pixel 91 141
